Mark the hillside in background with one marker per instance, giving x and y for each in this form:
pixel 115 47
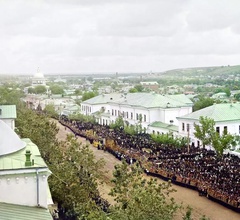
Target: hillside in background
pixel 203 71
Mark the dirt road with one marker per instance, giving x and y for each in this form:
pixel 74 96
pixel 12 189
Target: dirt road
pixel 200 205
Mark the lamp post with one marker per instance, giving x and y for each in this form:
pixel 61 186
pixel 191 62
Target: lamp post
pixel 188 128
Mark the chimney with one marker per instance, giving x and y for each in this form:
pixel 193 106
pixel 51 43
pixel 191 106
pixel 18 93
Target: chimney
pixel 28 162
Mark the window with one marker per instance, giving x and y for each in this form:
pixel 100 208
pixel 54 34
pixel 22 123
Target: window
pixel 132 116
pixel 112 112
pixel 123 114
pixel 218 130
pixel 127 114
pixel 153 132
pixel 115 112
pixel 188 127
pixel 145 118
pixel 225 129
pixel 136 116
pixel 183 126
pixel 239 129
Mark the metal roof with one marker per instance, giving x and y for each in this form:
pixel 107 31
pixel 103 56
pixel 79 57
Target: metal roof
pixel 147 100
pixel 20 212
pixel 217 112
pixel 8 111
pixel 17 159
pixel 158 124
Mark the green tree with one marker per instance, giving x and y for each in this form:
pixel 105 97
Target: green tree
pixel 139 88
pixel 118 124
pixel 76 190
pixel 222 142
pixel 56 89
pixel 205 131
pixel 50 110
pixel 133 90
pixel 202 102
pixel 88 95
pixel 10 95
pixel 40 89
pixel 137 198
pixel 237 96
pixel 75 170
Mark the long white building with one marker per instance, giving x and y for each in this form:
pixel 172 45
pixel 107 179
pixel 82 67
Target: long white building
pixel 134 107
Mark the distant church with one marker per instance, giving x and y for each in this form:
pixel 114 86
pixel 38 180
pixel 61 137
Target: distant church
pixel 38 79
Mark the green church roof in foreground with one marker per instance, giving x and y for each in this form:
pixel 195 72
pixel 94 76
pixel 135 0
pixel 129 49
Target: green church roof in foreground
pixel 20 212
pixel 17 159
pixel 217 112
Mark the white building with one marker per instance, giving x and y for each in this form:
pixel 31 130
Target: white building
pixel 226 116
pixel 38 79
pixel 23 178
pixel 8 115
pixel 133 107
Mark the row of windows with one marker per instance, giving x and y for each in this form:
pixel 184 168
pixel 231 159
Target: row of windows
pixel 86 108
pixel 127 115
pixel 217 128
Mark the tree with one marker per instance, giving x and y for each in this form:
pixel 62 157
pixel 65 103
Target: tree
pixel 237 96
pixel 133 90
pixel 56 89
pixel 88 95
pixel 223 142
pixel 10 95
pixel 118 124
pixel 74 167
pixel 204 131
pixel 40 89
pixel 137 198
pixel 50 110
pixel 203 102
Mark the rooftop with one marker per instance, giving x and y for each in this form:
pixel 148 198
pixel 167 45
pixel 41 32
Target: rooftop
pixel 169 127
pixel 147 100
pixel 217 112
pixel 20 212
pixel 8 111
pixel 16 160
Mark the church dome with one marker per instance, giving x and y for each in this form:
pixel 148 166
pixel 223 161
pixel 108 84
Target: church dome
pixel 38 75
pixel 9 140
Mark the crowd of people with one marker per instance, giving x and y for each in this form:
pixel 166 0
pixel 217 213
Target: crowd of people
pixel 216 177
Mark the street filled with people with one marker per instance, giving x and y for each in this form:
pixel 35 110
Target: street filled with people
pixel 217 178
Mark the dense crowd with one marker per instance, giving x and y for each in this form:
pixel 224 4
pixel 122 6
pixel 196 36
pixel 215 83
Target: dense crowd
pixel 215 177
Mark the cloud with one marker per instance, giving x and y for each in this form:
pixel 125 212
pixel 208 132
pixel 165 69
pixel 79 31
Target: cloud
pixel 109 35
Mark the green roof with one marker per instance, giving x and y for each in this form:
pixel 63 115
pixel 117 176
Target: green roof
pixel 17 159
pixel 169 127
pixel 8 111
pixel 217 112
pixel 19 212
pixel 147 100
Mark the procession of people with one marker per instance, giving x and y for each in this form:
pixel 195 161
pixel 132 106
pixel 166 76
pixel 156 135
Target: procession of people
pixel 215 177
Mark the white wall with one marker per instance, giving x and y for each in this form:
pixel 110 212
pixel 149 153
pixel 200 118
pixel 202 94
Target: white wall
pixel 22 189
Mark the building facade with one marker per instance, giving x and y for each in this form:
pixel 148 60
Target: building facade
pixel 135 108
pixel 226 117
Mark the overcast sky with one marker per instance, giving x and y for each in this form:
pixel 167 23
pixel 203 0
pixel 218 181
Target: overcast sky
pixel 79 36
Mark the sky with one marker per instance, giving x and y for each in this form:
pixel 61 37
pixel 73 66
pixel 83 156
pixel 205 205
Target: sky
pixel 124 36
